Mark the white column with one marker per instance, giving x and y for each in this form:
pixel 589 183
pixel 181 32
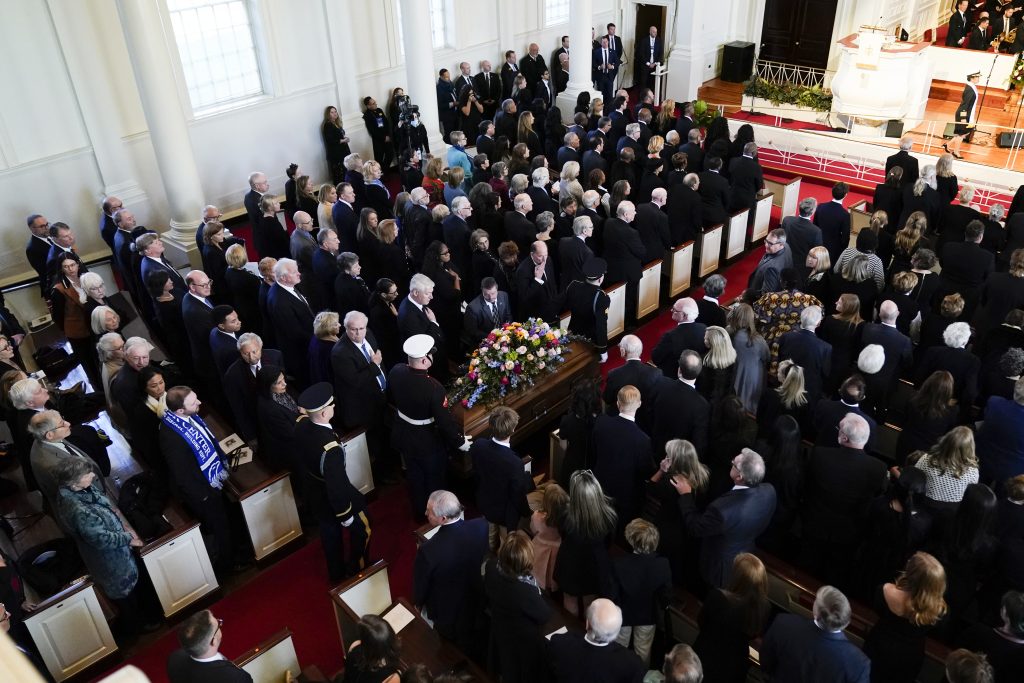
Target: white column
pixel 346 87
pixel 420 76
pixel 685 64
pixel 97 101
pixel 581 13
pixel 168 132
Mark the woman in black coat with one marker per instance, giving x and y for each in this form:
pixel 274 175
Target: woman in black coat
pixel 583 568
pixel 888 197
pixel 383 322
pixel 214 262
pixel 930 414
pixel 376 195
pixel 518 611
pixel 168 315
pixel 447 303
pixel 243 289
pixel 277 414
pixel 482 260
pixel 335 143
pixel 269 236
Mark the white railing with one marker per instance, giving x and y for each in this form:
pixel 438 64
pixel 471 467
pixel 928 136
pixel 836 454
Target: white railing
pixel 780 72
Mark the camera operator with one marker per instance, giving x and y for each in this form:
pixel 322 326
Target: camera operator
pixel 410 133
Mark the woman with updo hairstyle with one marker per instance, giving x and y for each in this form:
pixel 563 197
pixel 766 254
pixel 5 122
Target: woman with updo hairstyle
pixel 374 656
pixel 921 265
pixel 290 188
pixel 277 412
pixel 269 236
pixel 383 323
pixel 731 618
pixel 583 567
pixel 518 611
pixel 575 429
pixel 680 459
pixel 545 524
pixel 907 609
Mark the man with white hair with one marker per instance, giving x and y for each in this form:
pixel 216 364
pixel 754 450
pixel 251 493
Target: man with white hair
pixel 732 522
pixel 539 193
pixel 417 224
pixel 810 352
pixel 899 351
pixel 258 186
pixel 635 372
pixel 801 650
pixel 240 381
pixel 802 235
pixel 711 311
pixel 416 317
pixel 536 285
pixel 53 443
pixel 902 158
pixel 197 314
pixel 573 251
pixel 594 656
pixel 684 207
pixel 652 224
pixel 687 334
pixel 625 252
pixel 955 359
pixel 630 139
pixel 292 319
pixel 359 380
pixel 840 481
pixel 518 227
pixel 455 234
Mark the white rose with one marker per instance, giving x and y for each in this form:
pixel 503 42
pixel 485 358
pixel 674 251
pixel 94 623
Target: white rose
pixel 541 352
pixel 509 365
pixel 540 365
pixel 529 356
pixel 480 381
pixel 521 350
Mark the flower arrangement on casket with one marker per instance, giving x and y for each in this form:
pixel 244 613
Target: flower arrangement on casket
pixel 510 359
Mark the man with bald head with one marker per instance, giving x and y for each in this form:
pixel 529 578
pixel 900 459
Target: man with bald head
pixel 488 89
pixel 301 247
pixel 532 65
pixel 594 656
pixel 687 334
pixel 899 351
pixel 464 79
pixel 841 480
pixel 537 285
pixel 625 253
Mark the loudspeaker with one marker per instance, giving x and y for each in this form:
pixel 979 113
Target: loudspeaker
pixel 894 128
pixel 1011 139
pixel 737 61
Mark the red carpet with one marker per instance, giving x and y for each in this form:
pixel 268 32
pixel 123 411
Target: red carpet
pixel 780 122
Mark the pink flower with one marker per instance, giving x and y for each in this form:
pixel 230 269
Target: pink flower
pixel 465 403
pixel 504 380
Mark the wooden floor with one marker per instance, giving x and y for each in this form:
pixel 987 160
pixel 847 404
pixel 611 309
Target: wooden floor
pixel 984 150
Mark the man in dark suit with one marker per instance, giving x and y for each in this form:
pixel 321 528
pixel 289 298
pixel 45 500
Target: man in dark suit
pixel 899 351
pixel 649 53
pixel 485 312
pixel 455 231
pixel 714 193
pixel 622 455
pixel 570 149
pixel 709 308
pixel 767 275
pixel 801 650
pixel 573 251
pixel 509 71
pixel 224 337
pixel 488 90
pixel 679 411
pixel 123 237
pixel 240 382
pixel 359 380
pixel 980 36
pixel 545 89
pixel 828 414
pixel 502 482
pixel 692 150
pixel 634 372
pixel 593 158
pixel 952 357
pixel 292 318
pixel 416 317
pixel 652 225
pixel 38 247
pixel 605 65
pixel 506 121
pixel 532 66
pixel 956 35
pixel 685 210
pixel 1001 438
pixel 197 314
pixel 184 440
pixel 151 248
pixel 624 251
pixel 595 657
pixel 747 180
pixel 537 285
pixel 687 334
pixel 258 186
pixel 325 265
pixel 345 218
pixel 902 158
pixel 732 521
pixel 841 481
pixel 614 42
pixel 801 234
pixel 518 227
pixel 834 221
pixel 684 125
pixel 446 572
pixel 540 195
pixel 807 350
pixel 199 660
pixel 966 266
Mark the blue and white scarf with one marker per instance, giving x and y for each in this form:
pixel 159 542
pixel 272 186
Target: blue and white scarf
pixel 198 436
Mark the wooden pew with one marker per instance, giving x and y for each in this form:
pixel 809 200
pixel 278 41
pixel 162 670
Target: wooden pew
pixel 736 235
pixel 71 631
pixel 710 246
pixel 179 565
pixel 786 194
pixel 268 506
pixel 860 218
pixel 556 454
pixel 368 592
pixel 269 661
pixel 648 292
pixel 680 269
pixel 357 461
pixel 762 217
pixel 616 310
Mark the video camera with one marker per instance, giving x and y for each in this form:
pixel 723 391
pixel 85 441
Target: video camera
pixel 406 109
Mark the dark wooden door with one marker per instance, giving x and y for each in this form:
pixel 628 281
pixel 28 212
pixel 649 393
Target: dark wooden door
pixel 798 31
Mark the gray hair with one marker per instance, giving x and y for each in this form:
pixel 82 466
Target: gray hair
pixel 856 429
pixel 1018 391
pixel 623 208
pixel 591 198
pixel 604 621
pixel 132 342
pixel 519 184
pixel 581 223
pixel 691 180
pixel 105 345
pixel 871 359
pixel 544 221
pixel 714 286
pixel 253 176
pixel 888 312
pixel 44 422
pixel 750 148
pixel 445 504
pixel 459 202
pixel 540 177
pixel 90 280
pixel 420 283
pixel 22 391
pixel 632 128
pixel 631 346
pixel 69 470
pixel 353 316
pixel 750 465
pixel 519 203
pixel 284 265
pixel 248 338
pixel 324 234
pixel 323 323
pixel 693 135
pixel 98 317
pixel 682 665
pixel 957 335
pixel 346 260
pixel 807 206
pixel 418 193
pixel 906 143
pixel 831 608
pixel 995 212
pixel 810 317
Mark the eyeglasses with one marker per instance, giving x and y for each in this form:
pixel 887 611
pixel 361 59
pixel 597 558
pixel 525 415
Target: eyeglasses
pixel 769 243
pixel 220 624
pixel 445 253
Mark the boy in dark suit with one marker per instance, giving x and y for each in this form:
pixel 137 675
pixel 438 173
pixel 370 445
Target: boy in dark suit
pixel 502 483
pixel 644 584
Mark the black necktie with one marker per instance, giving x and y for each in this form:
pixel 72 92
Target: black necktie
pixel 494 314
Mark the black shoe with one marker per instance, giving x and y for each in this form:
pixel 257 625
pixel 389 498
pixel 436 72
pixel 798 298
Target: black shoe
pixel 956 156
pixel 152 627
pixel 945 147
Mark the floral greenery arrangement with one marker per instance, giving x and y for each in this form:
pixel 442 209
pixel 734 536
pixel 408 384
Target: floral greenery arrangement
pixel 1017 72
pixel 812 97
pixel 702 114
pixel 509 359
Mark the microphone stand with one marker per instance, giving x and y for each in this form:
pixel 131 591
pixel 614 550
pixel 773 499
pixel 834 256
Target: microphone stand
pixel 981 104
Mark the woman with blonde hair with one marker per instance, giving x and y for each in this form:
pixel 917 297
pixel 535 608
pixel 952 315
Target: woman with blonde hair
pixel 326 330
pixel 545 525
pixel 596 112
pixel 789 398
pixel 680 458
pixel 568 183
pixel 842 331
pixel 945 180
pixel 922 196
pixel 907 609
pixel 951 466
pixel 719 373
pixel 526 135
pixel 818 265
pixel 375 194
pixel 432 182
pixel 453 188
pixel 752 355
pixel 326 196
pixel 654 147
pixel 583 567
pixel 666 118
pixel 731 618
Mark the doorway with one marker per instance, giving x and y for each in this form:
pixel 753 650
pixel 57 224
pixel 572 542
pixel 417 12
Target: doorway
pixel 798 32
pixel 646 17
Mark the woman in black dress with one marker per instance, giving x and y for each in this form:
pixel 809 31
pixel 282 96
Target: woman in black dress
pixel 243 289
pixel 931 413
pixel 383 322
pixel 290 199
pixel 818 281
pixel 730 619
pixel 145 426
pixel 168 316
pixel 373 657
pixel 856 278
pixel 680 459
pixel 527 136
pixel 907 609
pixel 482 260
pixel 888 197
pixel 554 132
pixel 518 611
pixel 376 195
pixel 842 331
pixel 718 375
pixel 305 196
pixel 575 429
pixel 789 398
pixel 277 412
pixel 934 324
pixel 335 143
pixel 583 568
pixel 447 303
pixel 269 236
pixel 783 465
pixel 945 180
pixel 470 110
pixel 214 262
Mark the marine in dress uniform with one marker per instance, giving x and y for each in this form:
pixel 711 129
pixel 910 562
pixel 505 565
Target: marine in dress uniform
pixel 332 498
pixel 588 305
pixel 425 430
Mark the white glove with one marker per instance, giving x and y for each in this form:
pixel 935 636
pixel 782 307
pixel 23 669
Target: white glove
pixel 604 357
pixel 466 444
pixel 349 521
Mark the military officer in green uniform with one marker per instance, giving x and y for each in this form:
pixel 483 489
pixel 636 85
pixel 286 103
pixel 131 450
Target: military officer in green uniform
pixel 336 503
pixel 588 305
